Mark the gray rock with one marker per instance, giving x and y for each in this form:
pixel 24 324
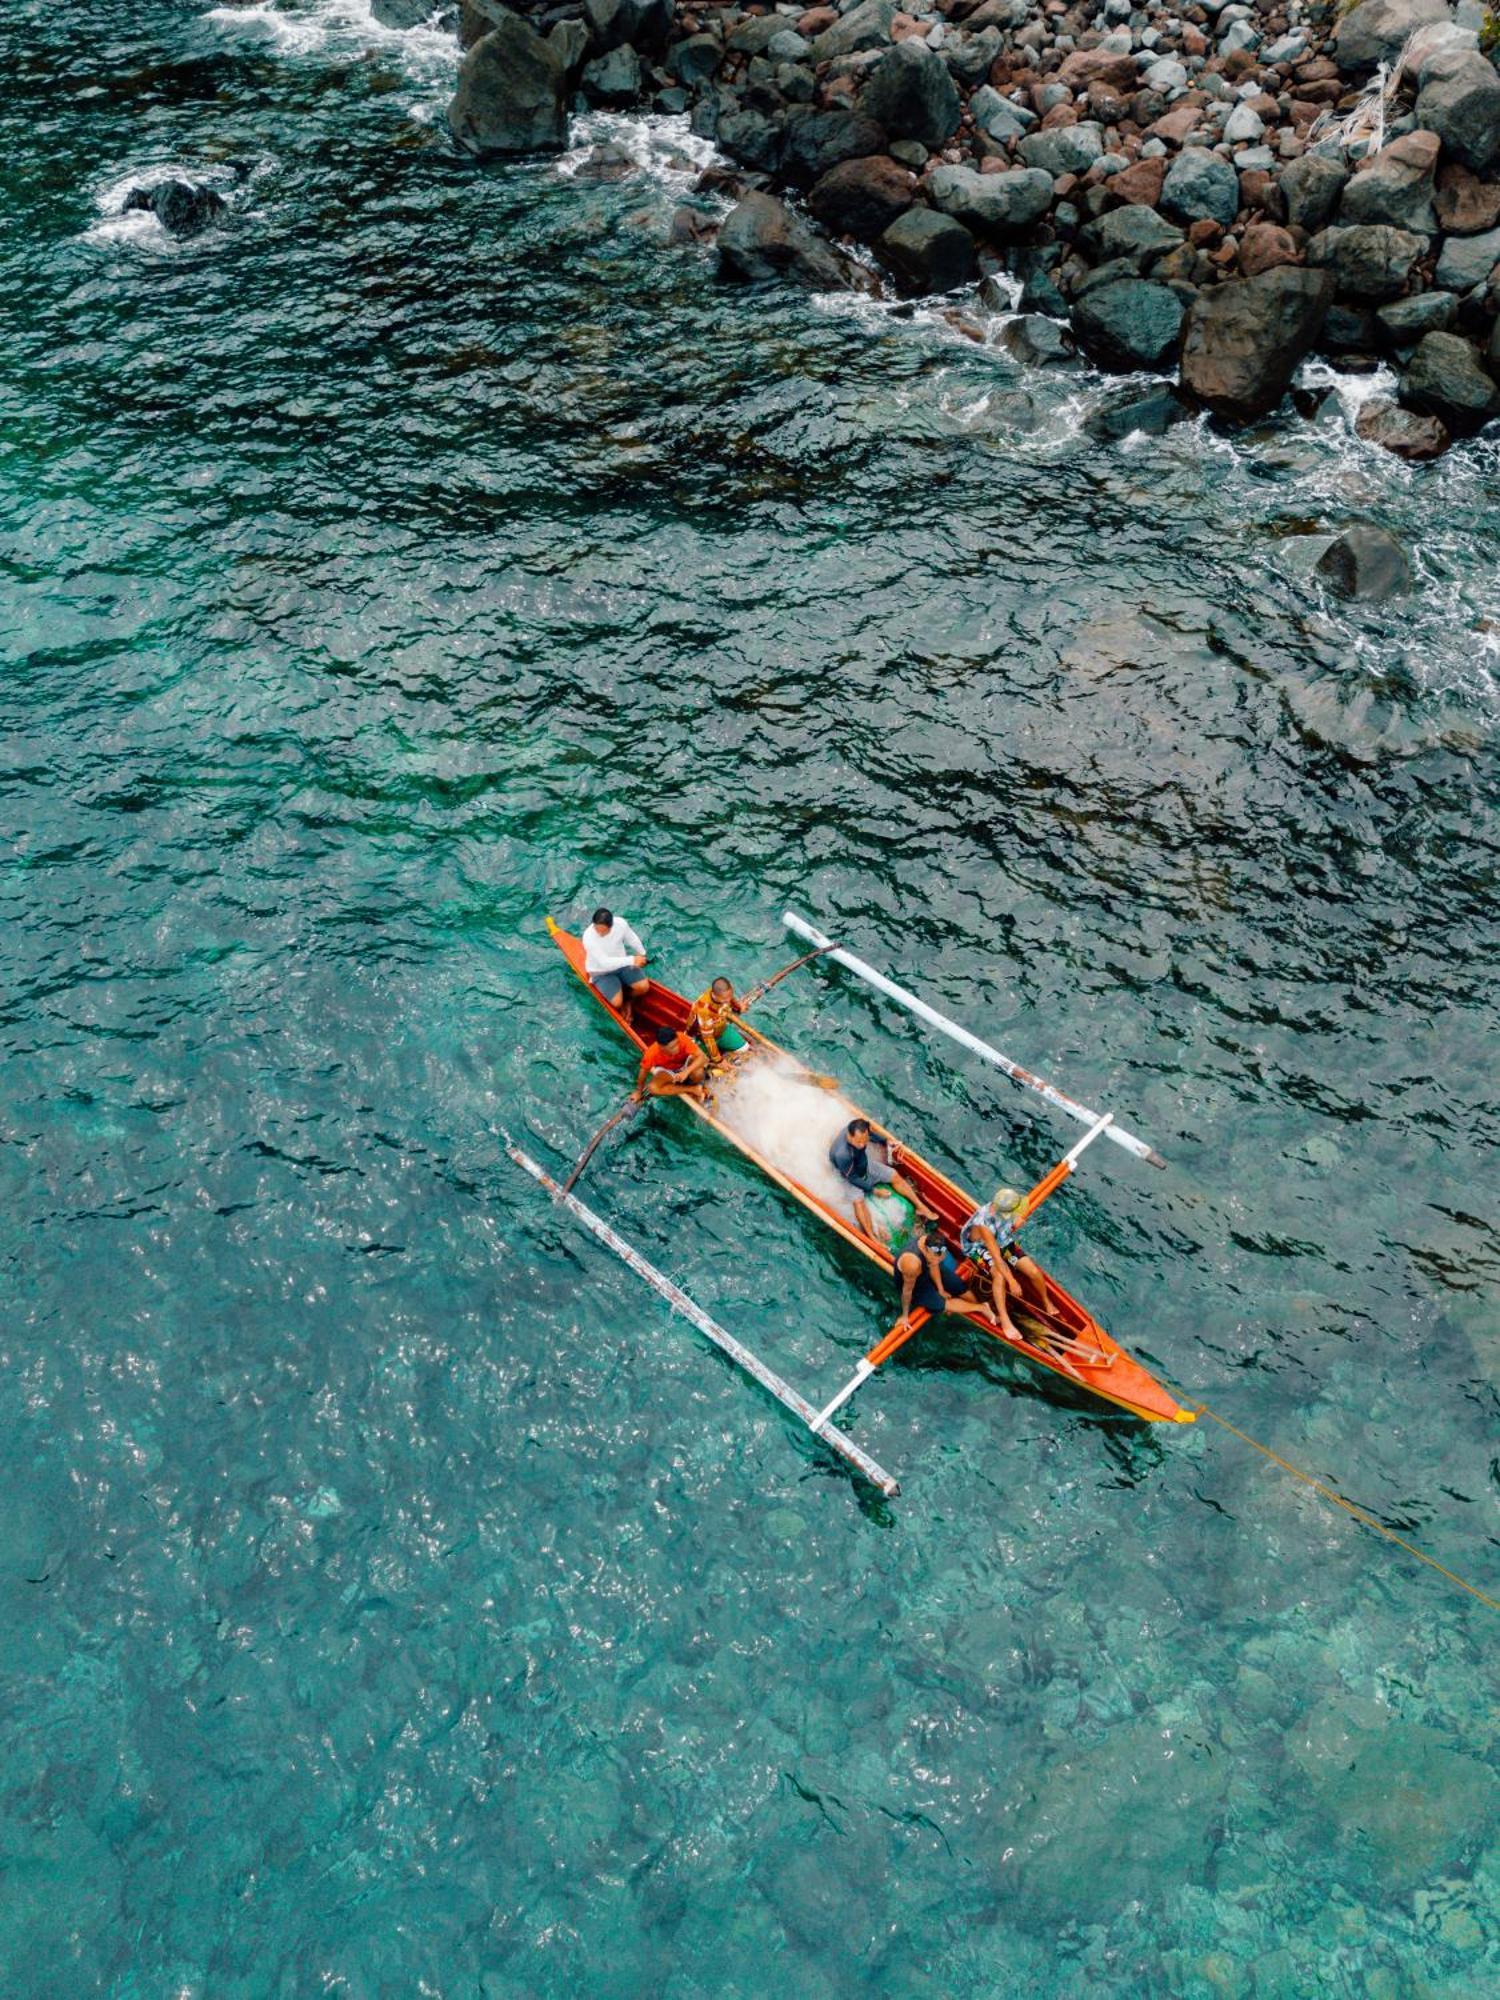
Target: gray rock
pixel 639 24
pixel 1445 379
pixel 997 116
pixel 1467 261
pixel 997 204
pixel 761 240
pixel 613 80
pixel 1365 562
pixel 787 47
pixel 511 95
pixel 863 197
pixel 1066 149
pixel 928 252
pixel 867 26
pixel 1244 339
pixel 752 138
pixel 970 58
pixel 696 59
pixel 1128 325
pixel 1036 339
pixel 1349 330
pixel 570 41
pixel 817 140
pixel 181 207
pixel 1397 186
pixel 1311 188
pixel 1200 186
pixel 1375 31
pixel 1136 232
pixel 1461 103
pixel 1371 261
pixel 911 95
pixel 1403 323
pixel 754 33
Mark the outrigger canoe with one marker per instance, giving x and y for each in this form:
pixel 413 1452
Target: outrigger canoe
pixel 1057 1333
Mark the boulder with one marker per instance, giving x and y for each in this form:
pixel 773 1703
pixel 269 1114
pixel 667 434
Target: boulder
pixel 867 26
pixel 1460 101
pixel 1403 323
pixel 1244 339
pixel 1135 232
pixel 911 95
pixel 1467 261
pixel 928 252
pixel 1036 339
pixel 695 59
pixel 1129 324
pixel 570 42
pixel 863 197
pixel 816 140
pixel 512 94
pixel 643 25
pixel 1371 261
pixel 1445 379
pixel 1066 149
pixel 970 58
pixel 1311 188
pixel 1200 187
pixel 613 80
pixel 996 204
pixel 181 207
pixel 1410 436
pixel 752 138
pixel 1465 205
pixel 761 239
pixel 1365 562
pixel 1375 31
pixel 998 117
pixel 1264 245
pixel 1397 186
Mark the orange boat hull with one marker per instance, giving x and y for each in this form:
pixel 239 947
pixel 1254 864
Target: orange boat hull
pixel 1065 1333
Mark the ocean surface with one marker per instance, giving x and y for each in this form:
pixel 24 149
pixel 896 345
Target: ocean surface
pixel 395 1598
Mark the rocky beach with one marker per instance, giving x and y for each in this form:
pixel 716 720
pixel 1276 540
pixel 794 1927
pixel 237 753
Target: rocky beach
pixel 1206 193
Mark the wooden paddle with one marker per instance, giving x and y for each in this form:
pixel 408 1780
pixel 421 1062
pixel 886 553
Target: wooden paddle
pixel 758 993
pixel 631 1103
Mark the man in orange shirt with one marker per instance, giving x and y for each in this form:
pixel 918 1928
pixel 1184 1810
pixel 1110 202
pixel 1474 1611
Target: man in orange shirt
pixel 672 1066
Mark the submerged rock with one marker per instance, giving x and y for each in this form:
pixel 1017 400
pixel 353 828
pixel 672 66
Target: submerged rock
pixel 1036 339
pixel 1152 414
pixel 1365 562
pixel 928 252
pixel 181 207
pixel 511 95
pixel 1244 339
pixel 1130 324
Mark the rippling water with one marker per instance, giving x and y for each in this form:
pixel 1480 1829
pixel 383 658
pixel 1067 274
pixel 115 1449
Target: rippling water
pixel 395 1600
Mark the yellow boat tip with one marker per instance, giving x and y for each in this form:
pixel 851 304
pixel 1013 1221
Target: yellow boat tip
pixel 551 928
pixel 1186 1417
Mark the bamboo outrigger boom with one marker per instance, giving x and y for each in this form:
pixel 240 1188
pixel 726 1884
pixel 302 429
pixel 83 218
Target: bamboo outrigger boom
pixel 753 1366
pixel 828 949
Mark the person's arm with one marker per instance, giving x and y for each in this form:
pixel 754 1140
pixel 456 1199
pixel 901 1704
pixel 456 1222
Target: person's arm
pixel 629 937
pixel 645 1069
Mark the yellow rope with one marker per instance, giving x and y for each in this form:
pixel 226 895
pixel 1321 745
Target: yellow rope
pixel 1348 1506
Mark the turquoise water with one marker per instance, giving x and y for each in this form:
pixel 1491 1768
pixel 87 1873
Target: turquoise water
pixel 396 1598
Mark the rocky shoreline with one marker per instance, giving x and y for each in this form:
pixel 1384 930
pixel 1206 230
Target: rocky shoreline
pixel 1210 192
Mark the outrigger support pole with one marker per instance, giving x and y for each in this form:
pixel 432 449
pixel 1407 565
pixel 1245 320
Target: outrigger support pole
pixel 803 929
pixel 674 1295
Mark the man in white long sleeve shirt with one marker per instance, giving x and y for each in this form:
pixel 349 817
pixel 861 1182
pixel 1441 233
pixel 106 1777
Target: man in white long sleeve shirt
pixel 612 957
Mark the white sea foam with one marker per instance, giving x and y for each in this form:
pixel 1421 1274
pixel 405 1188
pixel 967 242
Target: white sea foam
pixel 666 149
pixel 428 54
pixel 139 227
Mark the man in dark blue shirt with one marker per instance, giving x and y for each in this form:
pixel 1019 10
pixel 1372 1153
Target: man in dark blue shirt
pixel 861 1155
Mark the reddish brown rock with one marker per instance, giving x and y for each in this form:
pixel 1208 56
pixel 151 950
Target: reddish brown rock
pixel 1264 246
pixel 1176 125
pixel 1193 41
pixel 1244 339
pixel 1205 232
pixel 1060 114
pixel 862 197
pixel 1140 184
pixel 1086 66
pixel 1466 205
pixel 816 20
pixel 1403 432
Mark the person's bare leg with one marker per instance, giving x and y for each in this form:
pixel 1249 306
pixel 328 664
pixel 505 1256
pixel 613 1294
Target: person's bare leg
pixel 907 1192
pixel 863 1217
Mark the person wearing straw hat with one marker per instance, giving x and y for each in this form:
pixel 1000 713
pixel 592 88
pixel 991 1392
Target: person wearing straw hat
pixel 987 1240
